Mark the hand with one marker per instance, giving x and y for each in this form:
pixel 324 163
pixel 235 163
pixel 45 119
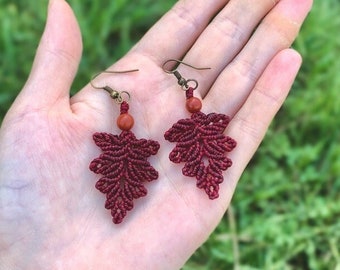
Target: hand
pixel 52 217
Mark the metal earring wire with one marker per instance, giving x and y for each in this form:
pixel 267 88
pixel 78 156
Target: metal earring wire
pixel 116 95
pixel 184 83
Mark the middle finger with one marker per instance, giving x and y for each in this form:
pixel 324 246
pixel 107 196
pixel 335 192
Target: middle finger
pixel 224 36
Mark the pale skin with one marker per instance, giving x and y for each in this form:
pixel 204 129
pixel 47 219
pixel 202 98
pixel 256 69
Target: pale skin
pixel 52 217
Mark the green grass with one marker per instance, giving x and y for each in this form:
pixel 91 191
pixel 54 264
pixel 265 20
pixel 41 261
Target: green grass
pixel 285 213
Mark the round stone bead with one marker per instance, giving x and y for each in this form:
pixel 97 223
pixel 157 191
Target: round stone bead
pixel 193 104
pixel 125 121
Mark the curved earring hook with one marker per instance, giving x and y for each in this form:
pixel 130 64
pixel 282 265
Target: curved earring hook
pixel 109 71
pixel 184 83
pixel 116 95
pixel 172 71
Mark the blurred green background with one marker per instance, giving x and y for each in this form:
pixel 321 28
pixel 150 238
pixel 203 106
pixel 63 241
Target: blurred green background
pixel 285 213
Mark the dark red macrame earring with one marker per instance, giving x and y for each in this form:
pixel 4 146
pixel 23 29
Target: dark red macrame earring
pixel 200 141
pixel 123 163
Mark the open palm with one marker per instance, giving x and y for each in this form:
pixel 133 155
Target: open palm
pixel 52 217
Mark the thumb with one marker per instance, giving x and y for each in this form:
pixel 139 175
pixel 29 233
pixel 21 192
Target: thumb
pixel 56 61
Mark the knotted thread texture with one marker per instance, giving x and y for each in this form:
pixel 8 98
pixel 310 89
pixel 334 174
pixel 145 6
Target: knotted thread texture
pixel 124 167
pixel 202 145
pixel 124 107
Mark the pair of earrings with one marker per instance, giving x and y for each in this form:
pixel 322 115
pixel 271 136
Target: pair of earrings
pixel 200 144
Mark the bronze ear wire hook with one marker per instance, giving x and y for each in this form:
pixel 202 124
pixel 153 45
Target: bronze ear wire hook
pixel 184 83
pixel 116 95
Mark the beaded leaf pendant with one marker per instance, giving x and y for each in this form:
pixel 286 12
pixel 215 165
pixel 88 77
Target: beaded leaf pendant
pixel 123 165
pixel 201 145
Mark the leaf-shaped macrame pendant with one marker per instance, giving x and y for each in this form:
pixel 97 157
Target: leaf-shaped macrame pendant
pixel 125 168
pixel 202 145
pixel 123 165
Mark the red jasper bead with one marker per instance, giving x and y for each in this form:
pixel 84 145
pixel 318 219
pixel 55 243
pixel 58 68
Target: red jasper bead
pixel 193 104
pixel 125 121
